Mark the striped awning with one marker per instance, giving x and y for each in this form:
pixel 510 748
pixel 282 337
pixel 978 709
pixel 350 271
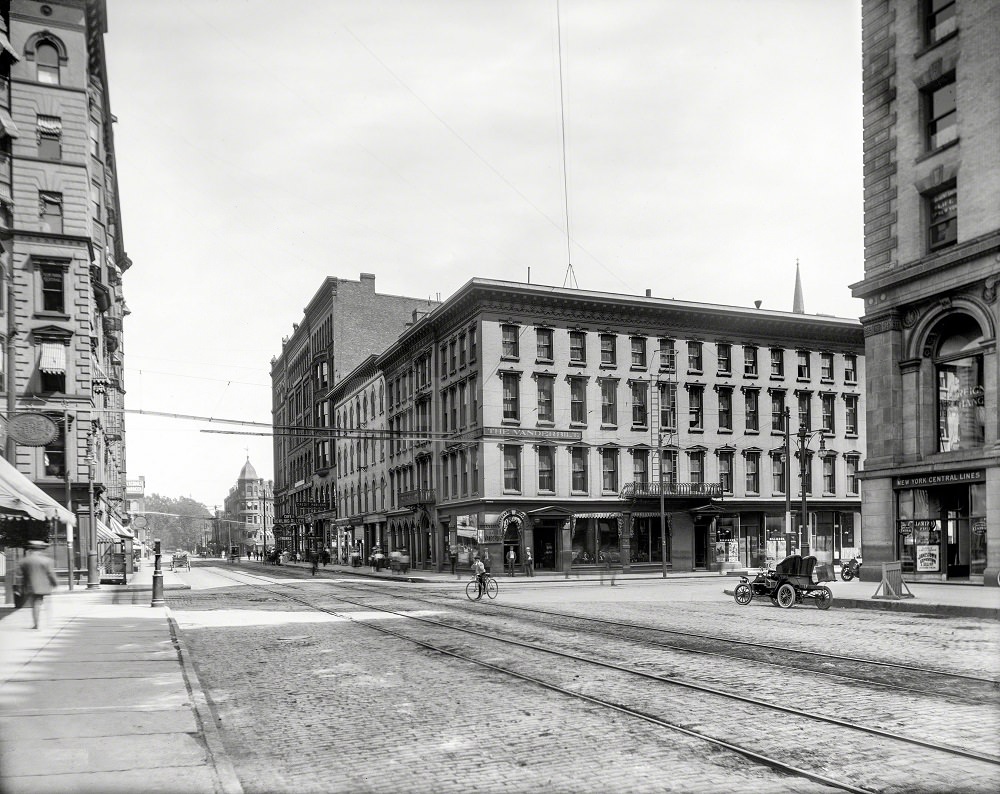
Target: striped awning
pixel 53 359
pixel 49 124
pixel 7 125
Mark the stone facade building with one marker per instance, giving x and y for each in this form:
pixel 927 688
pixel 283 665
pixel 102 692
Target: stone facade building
pixel 528 417
pixel 62 258
pixel 248 513
pixel 931 485
pixel 344 323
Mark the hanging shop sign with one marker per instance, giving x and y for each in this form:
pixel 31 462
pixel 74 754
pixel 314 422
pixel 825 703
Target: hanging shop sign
pixel 32 430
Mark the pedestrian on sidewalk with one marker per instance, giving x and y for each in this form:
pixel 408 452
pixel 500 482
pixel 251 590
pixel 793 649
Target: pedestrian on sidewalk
pixel 453 556
pixel 314 561
pixel 529 564
pixel 38 577
pixel 511 561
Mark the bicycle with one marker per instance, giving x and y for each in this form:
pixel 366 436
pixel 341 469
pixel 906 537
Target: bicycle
pixel 473 593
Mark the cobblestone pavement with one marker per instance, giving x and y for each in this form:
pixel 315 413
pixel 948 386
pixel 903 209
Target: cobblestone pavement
pixel 309 702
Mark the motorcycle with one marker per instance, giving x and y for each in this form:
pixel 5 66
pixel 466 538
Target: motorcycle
pixel 850 569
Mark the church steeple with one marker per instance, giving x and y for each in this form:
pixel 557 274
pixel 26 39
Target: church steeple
pixel 798 304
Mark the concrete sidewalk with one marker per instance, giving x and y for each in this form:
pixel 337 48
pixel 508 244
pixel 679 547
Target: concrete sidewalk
pixel 103 698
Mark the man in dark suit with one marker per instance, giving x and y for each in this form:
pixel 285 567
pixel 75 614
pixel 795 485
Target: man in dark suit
pixel 38 577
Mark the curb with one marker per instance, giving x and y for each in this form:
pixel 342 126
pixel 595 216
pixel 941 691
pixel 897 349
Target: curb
pixel 228 781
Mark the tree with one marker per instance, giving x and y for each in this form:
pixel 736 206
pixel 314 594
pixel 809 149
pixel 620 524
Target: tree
pixel 177 523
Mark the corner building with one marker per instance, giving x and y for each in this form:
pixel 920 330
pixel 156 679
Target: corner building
pixel 931 485
pixel 528 417
pixel 62 257
pixel 344 323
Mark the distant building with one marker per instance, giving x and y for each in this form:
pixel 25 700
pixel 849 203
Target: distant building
pixel 343 324
pixel 521 416
pixel 62 258
pixel 931 484
pixel 135 505
pixel 247 520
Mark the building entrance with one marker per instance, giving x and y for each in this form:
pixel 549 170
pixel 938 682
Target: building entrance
pixel 544 550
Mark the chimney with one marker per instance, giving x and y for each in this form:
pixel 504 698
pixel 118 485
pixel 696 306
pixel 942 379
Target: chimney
pixel 649 292
pixel 757 304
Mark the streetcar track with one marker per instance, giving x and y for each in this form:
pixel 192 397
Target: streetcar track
pixel 708 690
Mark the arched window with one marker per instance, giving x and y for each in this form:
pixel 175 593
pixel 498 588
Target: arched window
pixel 958 375
pixel 47 63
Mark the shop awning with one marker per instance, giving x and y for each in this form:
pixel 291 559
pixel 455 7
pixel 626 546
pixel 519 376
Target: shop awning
pixel 105 534
pixel 7 125
pixel 25 489
pixel 12 504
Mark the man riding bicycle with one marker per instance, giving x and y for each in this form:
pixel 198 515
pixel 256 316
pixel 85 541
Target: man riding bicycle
pixel 479 570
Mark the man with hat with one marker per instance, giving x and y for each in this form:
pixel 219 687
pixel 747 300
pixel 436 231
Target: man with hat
pixel 38 577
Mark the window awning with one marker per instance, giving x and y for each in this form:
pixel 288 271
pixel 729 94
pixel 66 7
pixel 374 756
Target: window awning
pixel 53 360
pixel 6 196
pixel 7 125
pixel 8 48
pixel 50 124
pixel 17 483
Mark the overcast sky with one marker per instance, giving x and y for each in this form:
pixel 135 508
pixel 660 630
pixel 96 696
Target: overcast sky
pixel 708 146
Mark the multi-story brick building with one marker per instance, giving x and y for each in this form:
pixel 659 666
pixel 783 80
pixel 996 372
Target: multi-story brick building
pixel 63 257
pixel 248 513
pixel 344 323
pixel 529 417
pixel 931 485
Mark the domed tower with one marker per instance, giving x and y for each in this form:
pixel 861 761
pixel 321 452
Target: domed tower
pixel 250 508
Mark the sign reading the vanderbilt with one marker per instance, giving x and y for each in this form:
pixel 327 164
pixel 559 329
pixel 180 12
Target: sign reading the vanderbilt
pixel 943 478
pixel 536 433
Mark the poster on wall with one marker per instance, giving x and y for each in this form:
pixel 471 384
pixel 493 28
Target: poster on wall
pixel 928 558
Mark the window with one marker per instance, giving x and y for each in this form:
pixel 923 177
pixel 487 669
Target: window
pixel 807 481
pixel 453 355
pixel 778 411
pixel 694 356
pixel 696 405
pixel 749 361
pixel 49 138
pixel 509 334
pixel 53 289
pixel 828 401
pixel 851 415
pixel 724 354
pixel 578 401
pixel 961 393
pixel 669 467
pixel 850 368
pixel 462 350
pixel 803 367
pixel 940 19
pixel 609 401
pixel 777 363
pixel 640 466
pixel 829 474
pixel 473 402
pixel 579 459
pixel 444 361
pixel 668 406
pixel 543 344
pixel 577 347
pixel 726 471
pixel 668 361
pixel 805 410
pixel 609 470
pixel 463 405
pixel 511 467
pixel 778 472
pixel 50 212
pixel 54 454
pixel 546 411
pixel 853 484
pixel 546 469
pixel 696 463
pixel 725 409
pixel 52 366
pixel 826 366
pixel 47 63
pixel 472 345
pixel 511 389
pixel 640 407
pixel 638 352
pixel 751 406
pixel 753 471
pixel 942 119
pixel 609 355
pixel 942 210
pixel 463 467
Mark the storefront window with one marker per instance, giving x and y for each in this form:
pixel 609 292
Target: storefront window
pixel 595 540
pixel 977 505
pixel 727 539
pixel 918 533
pixel 960 390
pixel 644 542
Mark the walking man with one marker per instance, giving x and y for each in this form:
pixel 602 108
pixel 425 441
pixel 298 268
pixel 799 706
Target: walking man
pixel 38 577
pixel 511 560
